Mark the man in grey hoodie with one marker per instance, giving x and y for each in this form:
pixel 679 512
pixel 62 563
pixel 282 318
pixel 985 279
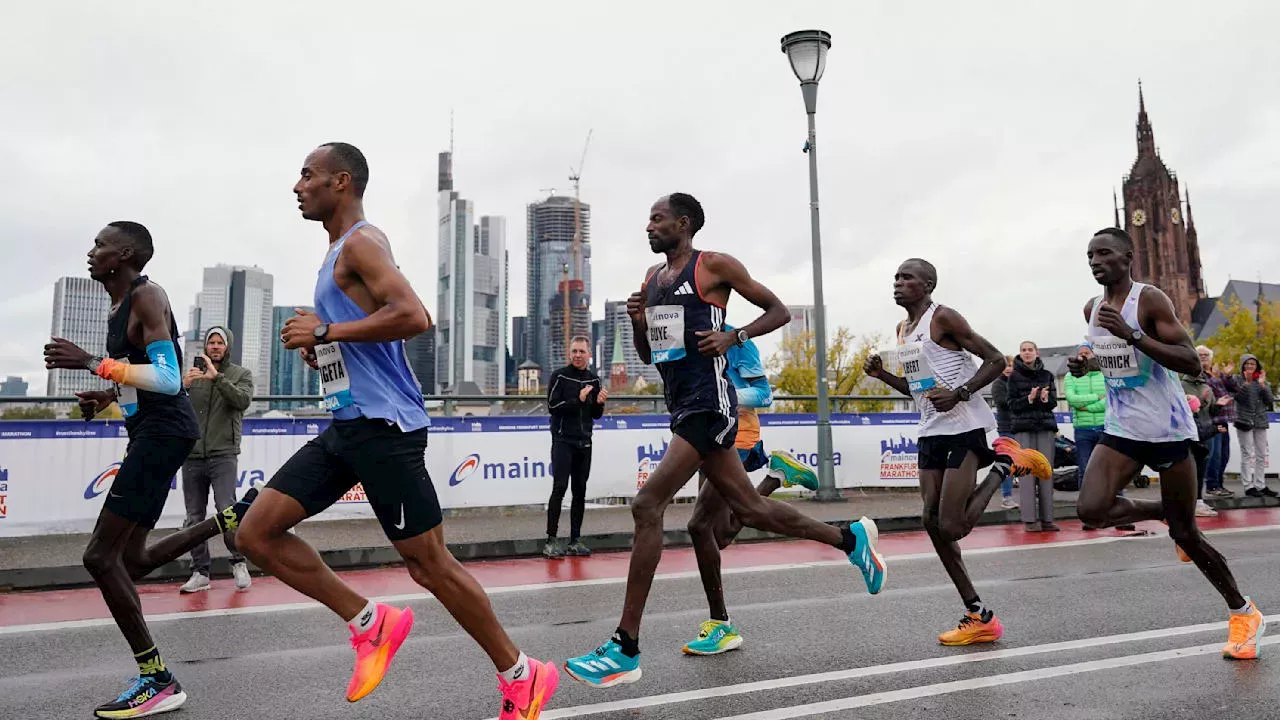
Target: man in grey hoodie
pixel 1253 401
pixel 220 393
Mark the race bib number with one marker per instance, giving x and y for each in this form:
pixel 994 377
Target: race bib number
pixel 1118 361
pixel 666 332
pixel 335 383
pixel 127 396
pixel 916 368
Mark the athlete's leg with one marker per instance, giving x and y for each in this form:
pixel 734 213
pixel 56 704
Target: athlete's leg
pixel 961 503
pixel 1178 496
pixel 104 559
pixel 710 514
pixel 931 490
pixel 724 470
pixel 1109 471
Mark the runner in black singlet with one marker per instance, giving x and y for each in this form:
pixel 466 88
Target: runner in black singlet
pixel 144 361
pixel 678 323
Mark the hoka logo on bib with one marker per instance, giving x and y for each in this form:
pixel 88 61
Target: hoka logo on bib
pixel 99 484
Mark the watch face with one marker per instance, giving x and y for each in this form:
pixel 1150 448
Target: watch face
pixel 1139 217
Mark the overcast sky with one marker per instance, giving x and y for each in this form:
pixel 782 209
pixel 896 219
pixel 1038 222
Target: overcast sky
pixel 985 136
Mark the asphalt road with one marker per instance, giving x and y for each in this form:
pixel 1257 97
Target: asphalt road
pixel 1097 630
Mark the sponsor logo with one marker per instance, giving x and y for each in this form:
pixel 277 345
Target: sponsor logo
pixel 354 495
pixel 812 458
pixel 4 493
pixel 313 429
pixel 99 484
pixel 898 459
pixel 522 469
pixel 647 459
pixel 464 469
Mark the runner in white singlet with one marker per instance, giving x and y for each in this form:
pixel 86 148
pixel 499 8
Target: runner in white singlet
pixel 1139 345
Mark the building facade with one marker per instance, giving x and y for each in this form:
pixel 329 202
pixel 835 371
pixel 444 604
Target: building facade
pixel 617 325
pixel 290 374
pixel 80 307
pixel 13 386
pixel 549 257
pixel 240 298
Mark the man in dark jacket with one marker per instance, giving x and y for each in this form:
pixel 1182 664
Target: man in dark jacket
pixel 1004 425
pixel 575 398
pixel 220 393
pixel 1033 395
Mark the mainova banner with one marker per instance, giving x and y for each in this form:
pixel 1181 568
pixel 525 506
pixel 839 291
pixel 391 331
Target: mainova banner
pixel 54 475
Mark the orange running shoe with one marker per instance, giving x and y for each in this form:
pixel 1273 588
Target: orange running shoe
pixel 1246 629
pixel 972 630
pixel 1024 461
pixel 375 648
pixel 524 699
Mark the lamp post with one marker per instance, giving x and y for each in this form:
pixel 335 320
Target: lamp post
pixel 807 51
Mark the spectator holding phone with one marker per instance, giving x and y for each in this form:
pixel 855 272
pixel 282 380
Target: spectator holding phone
pixel 1253 401
pixel 1032 398
pixel 220 392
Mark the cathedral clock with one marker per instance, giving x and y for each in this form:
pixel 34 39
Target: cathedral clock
pixel 1139 217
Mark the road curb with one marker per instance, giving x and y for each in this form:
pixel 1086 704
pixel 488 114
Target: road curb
pixel 50 578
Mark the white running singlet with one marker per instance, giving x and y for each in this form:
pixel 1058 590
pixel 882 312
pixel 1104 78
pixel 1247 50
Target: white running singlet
pixel 926 364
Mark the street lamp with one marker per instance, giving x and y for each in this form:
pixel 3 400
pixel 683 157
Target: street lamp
pixel 807 51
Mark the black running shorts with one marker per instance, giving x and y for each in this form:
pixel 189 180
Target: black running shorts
pixel 142 483
pixel 706 431
pixel 1158 456
pixel 391 466
pixel 947 452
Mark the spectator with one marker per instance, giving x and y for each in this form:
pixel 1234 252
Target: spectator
pixel 220 393
pixel 575 399
pixel 1253 401
pixel 1087 396
pixel 1204 408
pixel 1220 445
pixel 1032 398
pixel 1004 425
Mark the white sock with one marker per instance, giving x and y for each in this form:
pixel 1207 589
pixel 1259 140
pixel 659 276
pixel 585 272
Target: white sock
pixel 364 619
pixel 1244 609
pixel 776 475
pixel 519 671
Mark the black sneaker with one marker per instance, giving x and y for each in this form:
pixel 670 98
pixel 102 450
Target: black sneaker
pixel 1269 492
pixel 552 550
pixel 577 549
pixel 144 696
pixel 1253 492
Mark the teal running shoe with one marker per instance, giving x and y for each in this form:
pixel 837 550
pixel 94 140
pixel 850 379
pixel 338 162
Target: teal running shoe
pixel 604 667
pixel 793 471
pixel 715 637
pixel 864 555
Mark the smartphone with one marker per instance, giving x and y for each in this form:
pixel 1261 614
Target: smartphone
pixel 200 364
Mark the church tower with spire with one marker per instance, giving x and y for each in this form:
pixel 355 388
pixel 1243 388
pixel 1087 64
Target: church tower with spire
pixel 1166 249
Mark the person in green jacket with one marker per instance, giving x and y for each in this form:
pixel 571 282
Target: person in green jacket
pixel 220 392
pixel 1087 397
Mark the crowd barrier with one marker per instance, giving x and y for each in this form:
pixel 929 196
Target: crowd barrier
pixel 54 474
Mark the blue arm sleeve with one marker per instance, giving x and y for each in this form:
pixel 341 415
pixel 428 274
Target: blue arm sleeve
pixel 756 394
pixel 164 359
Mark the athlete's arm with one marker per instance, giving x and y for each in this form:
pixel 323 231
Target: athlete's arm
pixel 1164 339
pixel 400 314
pixel 755 393
pixel 151 310
pixel 954 325
pixel 727 271
pixel 639 323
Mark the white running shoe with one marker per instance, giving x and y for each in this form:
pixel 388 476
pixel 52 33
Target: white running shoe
pixel 1203 509
pixel 199 581
pixel 1009 503
pixel 241 573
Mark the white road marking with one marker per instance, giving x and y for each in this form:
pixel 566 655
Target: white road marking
pixel 567 584
pixel 890 668
pixel 922 691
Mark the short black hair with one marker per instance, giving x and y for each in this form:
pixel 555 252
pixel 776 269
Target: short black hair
pixel 929 274
pixel 138 237
pixel 348 158
pixel 1118 234
pixel 686 205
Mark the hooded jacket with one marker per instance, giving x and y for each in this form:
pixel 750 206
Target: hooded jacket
pixel 1198 387
pixel 1087 396
pixel 220 404
pixel 1253 399
pixel 1000 397
pixel 1035 416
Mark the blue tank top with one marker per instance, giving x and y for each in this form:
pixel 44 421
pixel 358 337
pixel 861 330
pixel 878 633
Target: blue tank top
pixel 692 382
pixel 367 379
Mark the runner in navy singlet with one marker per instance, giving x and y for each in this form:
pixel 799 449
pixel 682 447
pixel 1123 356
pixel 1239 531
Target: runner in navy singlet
pixel 678 323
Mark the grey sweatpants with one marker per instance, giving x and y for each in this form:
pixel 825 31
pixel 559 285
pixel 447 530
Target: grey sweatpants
pixel 1253 458
pixel 198 476
pixel 1041 440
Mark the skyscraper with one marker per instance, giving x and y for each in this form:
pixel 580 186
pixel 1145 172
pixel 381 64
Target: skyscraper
pixel 289 374
pixel 617 324
pixel 802 321
pixel 471 337
pixel 421 351
pixel 239 298
pixel 80 307
pixel 13 386
pixel 550 225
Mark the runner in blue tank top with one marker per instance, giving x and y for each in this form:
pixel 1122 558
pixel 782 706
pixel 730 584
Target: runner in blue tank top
pixel 1138 344
pixel 678 323
pixel 365 310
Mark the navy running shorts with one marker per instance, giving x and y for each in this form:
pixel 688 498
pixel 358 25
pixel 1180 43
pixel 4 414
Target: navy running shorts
pixel 142 483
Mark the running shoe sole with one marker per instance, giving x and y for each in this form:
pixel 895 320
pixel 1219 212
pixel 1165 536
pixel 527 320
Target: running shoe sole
pixel 1257 645
pixel 732 644
pixel 173 702
pixel 623 678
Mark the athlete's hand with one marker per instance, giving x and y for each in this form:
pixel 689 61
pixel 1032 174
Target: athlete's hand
pixel 1113 322
pixel 61 353
pixel 714 343
pixel 1077 366
pixel 602 395
pixel 873 366
pixel 943 400
pixel 309 357
pixel 299 330
pixel 94 402
pixel 635 307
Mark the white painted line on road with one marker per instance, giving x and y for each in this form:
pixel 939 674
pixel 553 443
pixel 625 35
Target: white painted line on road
pixel 569 584
pixel 869 671
pixel 923 691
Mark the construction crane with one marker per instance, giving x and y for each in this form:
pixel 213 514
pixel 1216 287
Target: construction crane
pixel 575 253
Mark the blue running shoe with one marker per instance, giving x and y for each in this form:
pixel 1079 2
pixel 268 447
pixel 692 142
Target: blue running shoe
pixel 864 555
pixel 793 471
pixel 715 637
pixel 144 696
pixel 604 667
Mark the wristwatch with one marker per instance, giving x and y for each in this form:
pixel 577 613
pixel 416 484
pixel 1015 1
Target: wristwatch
pixel 964 393
pixel 93 364
pixel 1136 336
pixel 743 337
pixel 321 333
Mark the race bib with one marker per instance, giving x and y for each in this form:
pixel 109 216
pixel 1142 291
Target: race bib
pixel 1118 361
pixel 127 396
pixel 916 368
pixel 666 332
pixel 335 383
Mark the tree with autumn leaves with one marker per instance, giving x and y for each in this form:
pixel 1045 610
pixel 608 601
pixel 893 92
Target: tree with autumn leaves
pixel 794 371
pixel 1253 330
